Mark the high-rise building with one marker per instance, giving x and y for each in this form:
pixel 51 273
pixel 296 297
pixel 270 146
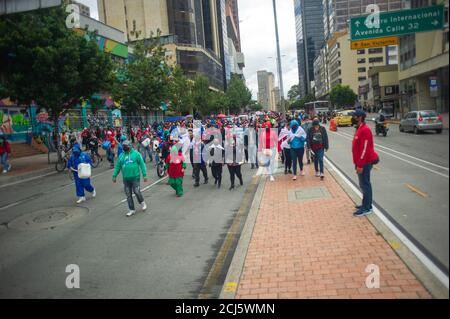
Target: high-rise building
pixel 234 38
pixel 310 39
pixel 336 13
pixel 84 10
pixel 192 29
pixel 266 85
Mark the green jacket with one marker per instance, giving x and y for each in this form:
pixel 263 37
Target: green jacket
pixel 131 164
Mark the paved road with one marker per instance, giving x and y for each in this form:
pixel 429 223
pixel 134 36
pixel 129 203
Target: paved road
pixel 411 183
pixel 165 253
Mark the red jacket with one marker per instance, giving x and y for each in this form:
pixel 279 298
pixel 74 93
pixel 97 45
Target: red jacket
pixel 363 147
pixel 112 140
pixel 267 139
pixel 6 148
pixel 176 167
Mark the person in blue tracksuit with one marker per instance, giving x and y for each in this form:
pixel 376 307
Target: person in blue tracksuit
pixel 296 140
pixel 81 185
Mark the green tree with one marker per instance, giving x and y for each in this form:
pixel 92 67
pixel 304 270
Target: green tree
pixel 44 61
pixel 254 106
pixel 201 94
pixel 343 96
pixel 180 92
pixel 238 94
pixel 218 102
pixel 294 93
pixel 144 82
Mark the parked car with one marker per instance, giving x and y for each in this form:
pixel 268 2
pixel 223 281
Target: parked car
pixel 419 121
pixel 344 118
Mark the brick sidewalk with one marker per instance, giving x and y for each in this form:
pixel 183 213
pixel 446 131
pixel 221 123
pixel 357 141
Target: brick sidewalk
pixel 317 249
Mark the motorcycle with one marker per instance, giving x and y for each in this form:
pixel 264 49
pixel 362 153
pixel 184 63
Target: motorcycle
pixel 381 128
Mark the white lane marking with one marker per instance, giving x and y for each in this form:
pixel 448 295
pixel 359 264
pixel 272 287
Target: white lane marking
pixel 13 204
pixel 441 276
pixel 402 159
pixel 404 154
pixel 27 180
pixel 145 189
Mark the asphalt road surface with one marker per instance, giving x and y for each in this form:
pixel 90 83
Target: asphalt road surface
pixel 411 183
pixel 166 252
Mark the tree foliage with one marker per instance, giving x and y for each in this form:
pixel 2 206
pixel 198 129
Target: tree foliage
pixel 294 93
pixel 145 80
pixel 239 96
pixel 44 61
pixel 343 96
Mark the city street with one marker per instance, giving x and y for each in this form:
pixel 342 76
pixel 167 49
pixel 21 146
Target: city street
pixel 166 252
pixel 410 183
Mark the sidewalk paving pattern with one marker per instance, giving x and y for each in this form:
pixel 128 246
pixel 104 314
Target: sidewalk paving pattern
pixel 304 246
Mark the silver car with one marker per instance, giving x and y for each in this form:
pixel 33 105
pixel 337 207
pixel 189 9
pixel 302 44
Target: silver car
pixel 419 121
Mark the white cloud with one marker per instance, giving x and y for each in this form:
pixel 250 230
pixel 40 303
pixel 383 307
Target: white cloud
pixel 259 43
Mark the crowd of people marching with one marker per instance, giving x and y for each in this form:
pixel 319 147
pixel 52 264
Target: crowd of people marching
pixel 212 143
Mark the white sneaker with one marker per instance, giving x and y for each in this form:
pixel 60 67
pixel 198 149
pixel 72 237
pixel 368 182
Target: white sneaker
pixel 317 174
pixel 131 213
pixel 5 171
pixel 81 199
pixel 322 175
pixel 302 173
pixel 294 178
pixel 272 179
pixel 144 206
pixel 94 193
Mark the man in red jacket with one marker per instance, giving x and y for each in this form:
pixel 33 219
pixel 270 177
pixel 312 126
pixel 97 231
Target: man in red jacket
pixel 364 157
pixel 5 150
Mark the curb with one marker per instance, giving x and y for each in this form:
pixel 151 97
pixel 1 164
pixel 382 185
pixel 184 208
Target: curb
pixel 236 268
pixel 417 268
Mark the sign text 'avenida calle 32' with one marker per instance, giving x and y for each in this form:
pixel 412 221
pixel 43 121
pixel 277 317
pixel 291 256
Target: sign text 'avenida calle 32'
pixel 396 23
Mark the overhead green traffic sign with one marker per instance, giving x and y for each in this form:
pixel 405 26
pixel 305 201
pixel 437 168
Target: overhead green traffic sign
pixel 385 24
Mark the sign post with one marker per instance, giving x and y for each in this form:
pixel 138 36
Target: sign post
pixel 397 23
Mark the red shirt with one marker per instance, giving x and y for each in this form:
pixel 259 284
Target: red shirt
pixel 176 166
pixel 363 147
pixel 5 148
pixel 112 140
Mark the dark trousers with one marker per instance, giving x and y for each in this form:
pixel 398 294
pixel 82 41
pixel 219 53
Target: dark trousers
pixel 297 155
pixel 366 187
pixel 197 168
pixel 130 188
pixel 318 160
pixel 235 171
pixel 287 159
pixel 216 171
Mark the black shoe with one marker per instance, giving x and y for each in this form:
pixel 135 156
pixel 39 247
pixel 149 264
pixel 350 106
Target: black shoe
pixel 285 172
pixel 252 167
pixel 206 181
pixel 242 182
pixel 309 162
pixel 231 187
pixel 290 171
pixel 215 181
pixel 196 185
pixel 218 186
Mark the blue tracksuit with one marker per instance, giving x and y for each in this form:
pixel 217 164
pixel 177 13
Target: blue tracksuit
pixel 77 158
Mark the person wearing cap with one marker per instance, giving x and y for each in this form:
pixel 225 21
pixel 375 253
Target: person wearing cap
pixel 131 164
pixel 175 165
pixel 318 143
pixel 364 157
pixel 77 158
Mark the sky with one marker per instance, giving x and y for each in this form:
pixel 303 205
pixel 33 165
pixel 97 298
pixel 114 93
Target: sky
pixel 258 39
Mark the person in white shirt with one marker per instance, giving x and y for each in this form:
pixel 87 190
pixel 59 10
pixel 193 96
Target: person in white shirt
pixel 286 148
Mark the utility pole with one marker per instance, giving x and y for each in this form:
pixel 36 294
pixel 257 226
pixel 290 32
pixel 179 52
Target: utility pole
pixel 280 71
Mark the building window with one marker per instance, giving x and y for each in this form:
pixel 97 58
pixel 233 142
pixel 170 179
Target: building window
pixel 375 50
pixel 361 70
pixel 362 51
pixel 362 78
pixel 376 60
pixel 361 60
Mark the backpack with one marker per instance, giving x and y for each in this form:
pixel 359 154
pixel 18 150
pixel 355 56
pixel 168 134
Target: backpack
pixel 317 138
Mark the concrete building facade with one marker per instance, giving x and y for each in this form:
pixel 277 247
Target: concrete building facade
pixel 266 86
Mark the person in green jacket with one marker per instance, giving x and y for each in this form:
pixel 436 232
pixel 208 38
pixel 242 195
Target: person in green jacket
pixel 131 164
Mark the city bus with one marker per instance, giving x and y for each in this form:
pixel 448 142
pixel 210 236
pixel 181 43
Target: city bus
pixel 313 108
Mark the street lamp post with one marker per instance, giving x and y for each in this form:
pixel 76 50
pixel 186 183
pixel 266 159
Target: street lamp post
pixel 280 71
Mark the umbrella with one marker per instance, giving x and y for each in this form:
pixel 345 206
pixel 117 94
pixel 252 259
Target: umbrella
pixel 221 116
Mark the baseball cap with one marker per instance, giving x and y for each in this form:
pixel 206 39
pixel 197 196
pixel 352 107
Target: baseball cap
pixel 358 112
